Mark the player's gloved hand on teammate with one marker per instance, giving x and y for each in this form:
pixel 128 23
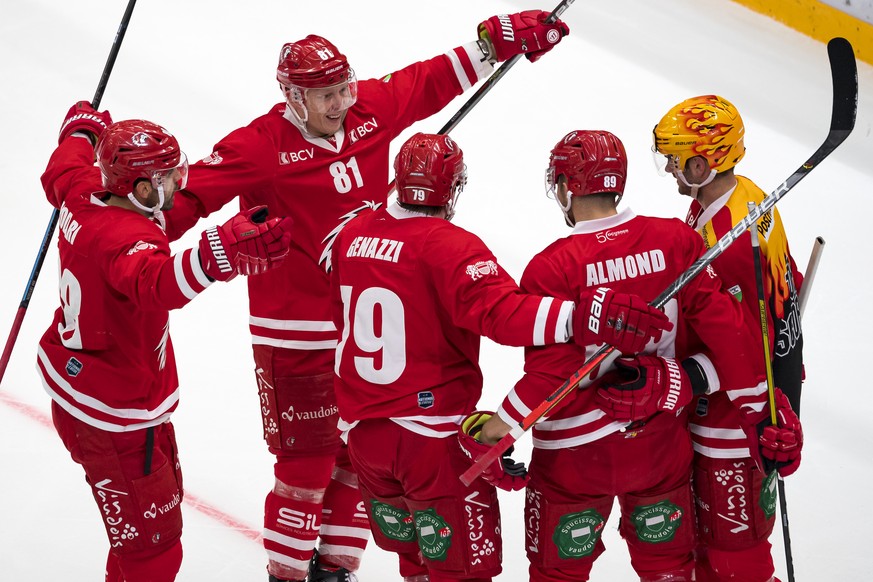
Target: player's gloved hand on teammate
pixel 504 473
pixel 527 33
pixel 641 386
pixel 247 244
pixel 83 118
pixel 781 444
pixel 621 320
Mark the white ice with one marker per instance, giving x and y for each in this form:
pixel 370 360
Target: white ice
pixel 204 68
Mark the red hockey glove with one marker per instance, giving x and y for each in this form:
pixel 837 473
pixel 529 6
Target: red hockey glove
pixel 82 117
pixel 503 473
pixel 245 245
pixel 525 33
pixel 268 250
pixel 641 386
pixel 618 319
pixel 781 444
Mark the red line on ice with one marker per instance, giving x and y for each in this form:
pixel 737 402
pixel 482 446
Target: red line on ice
pixel 192 500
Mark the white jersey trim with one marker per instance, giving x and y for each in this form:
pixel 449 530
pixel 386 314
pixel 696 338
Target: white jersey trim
pixel 761 388
pixel 573 421
pixel 713 384
pixel 91 402
pixel 179 273
pixel 539 331
pixel 294 344
pixel 474 55
pixel 714 453
pixel 197 269
pixel 723 434
pixel 292 324
pixel 565 317
pixel 413 426
pixel 578 440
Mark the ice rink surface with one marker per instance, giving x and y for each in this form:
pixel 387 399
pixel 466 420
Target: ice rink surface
pixel 204 68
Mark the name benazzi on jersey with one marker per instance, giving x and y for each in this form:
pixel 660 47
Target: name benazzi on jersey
pixel 375 248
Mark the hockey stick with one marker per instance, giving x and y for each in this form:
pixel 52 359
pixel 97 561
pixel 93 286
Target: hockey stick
pixel 496 76
pixel 768 366
pixel 489 83
pixel 53 221
pixel 809 276
pixel 845 102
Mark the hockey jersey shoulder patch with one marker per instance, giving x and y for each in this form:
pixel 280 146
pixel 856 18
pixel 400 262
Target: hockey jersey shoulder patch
pixel 481 269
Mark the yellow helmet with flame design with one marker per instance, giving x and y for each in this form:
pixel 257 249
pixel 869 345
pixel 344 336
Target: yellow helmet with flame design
pixel 708 126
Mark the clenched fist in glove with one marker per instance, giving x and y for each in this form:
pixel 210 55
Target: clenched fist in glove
pixel 246 244
pixel 82 117
pixel 504 473
pixel 781 444
pixel 641 386
pixel 623 321
pixel 528 33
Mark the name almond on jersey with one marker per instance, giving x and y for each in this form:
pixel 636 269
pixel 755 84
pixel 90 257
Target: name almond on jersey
pixel 629 267
pixel 375 248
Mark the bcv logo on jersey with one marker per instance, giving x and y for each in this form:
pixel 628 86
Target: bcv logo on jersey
pixel 286 158
pixel 362 130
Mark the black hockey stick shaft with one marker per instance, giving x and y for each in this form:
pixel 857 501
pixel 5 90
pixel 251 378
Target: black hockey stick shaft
pixel 771 391
pixel 53 221
pixel 489 83
pixel 844 75
pixel 496 76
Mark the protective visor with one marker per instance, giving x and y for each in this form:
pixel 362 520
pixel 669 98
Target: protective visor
pixel 322 100
pixel 177 175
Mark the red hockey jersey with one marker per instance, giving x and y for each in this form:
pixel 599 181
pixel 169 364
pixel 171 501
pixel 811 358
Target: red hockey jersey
pixel 715 426
pixel 639 255
pixel 321 184
pixel 107 357
pixel 412 295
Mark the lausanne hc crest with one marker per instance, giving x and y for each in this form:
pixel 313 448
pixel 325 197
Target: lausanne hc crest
pixel 480 269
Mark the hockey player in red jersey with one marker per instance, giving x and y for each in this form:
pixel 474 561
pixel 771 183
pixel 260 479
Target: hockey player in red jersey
pixel 700 141
pixel 626 437
pixel 322 157
pixel 412 294
pixel 107 359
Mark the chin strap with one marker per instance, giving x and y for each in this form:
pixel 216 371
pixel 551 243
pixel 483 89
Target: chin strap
pixel 566 209
pixel 696 187
pixel 155 211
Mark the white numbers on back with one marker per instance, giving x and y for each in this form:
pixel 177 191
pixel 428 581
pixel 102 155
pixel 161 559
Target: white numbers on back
pixel 377 324
pixel 609 181
pixel 341 179
pixel 71 302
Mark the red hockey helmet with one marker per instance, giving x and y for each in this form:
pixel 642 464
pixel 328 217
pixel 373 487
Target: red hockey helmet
pixel 592 161
pixel 312 62
pixel 315 63
pixel 136 149
pixel 430 171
